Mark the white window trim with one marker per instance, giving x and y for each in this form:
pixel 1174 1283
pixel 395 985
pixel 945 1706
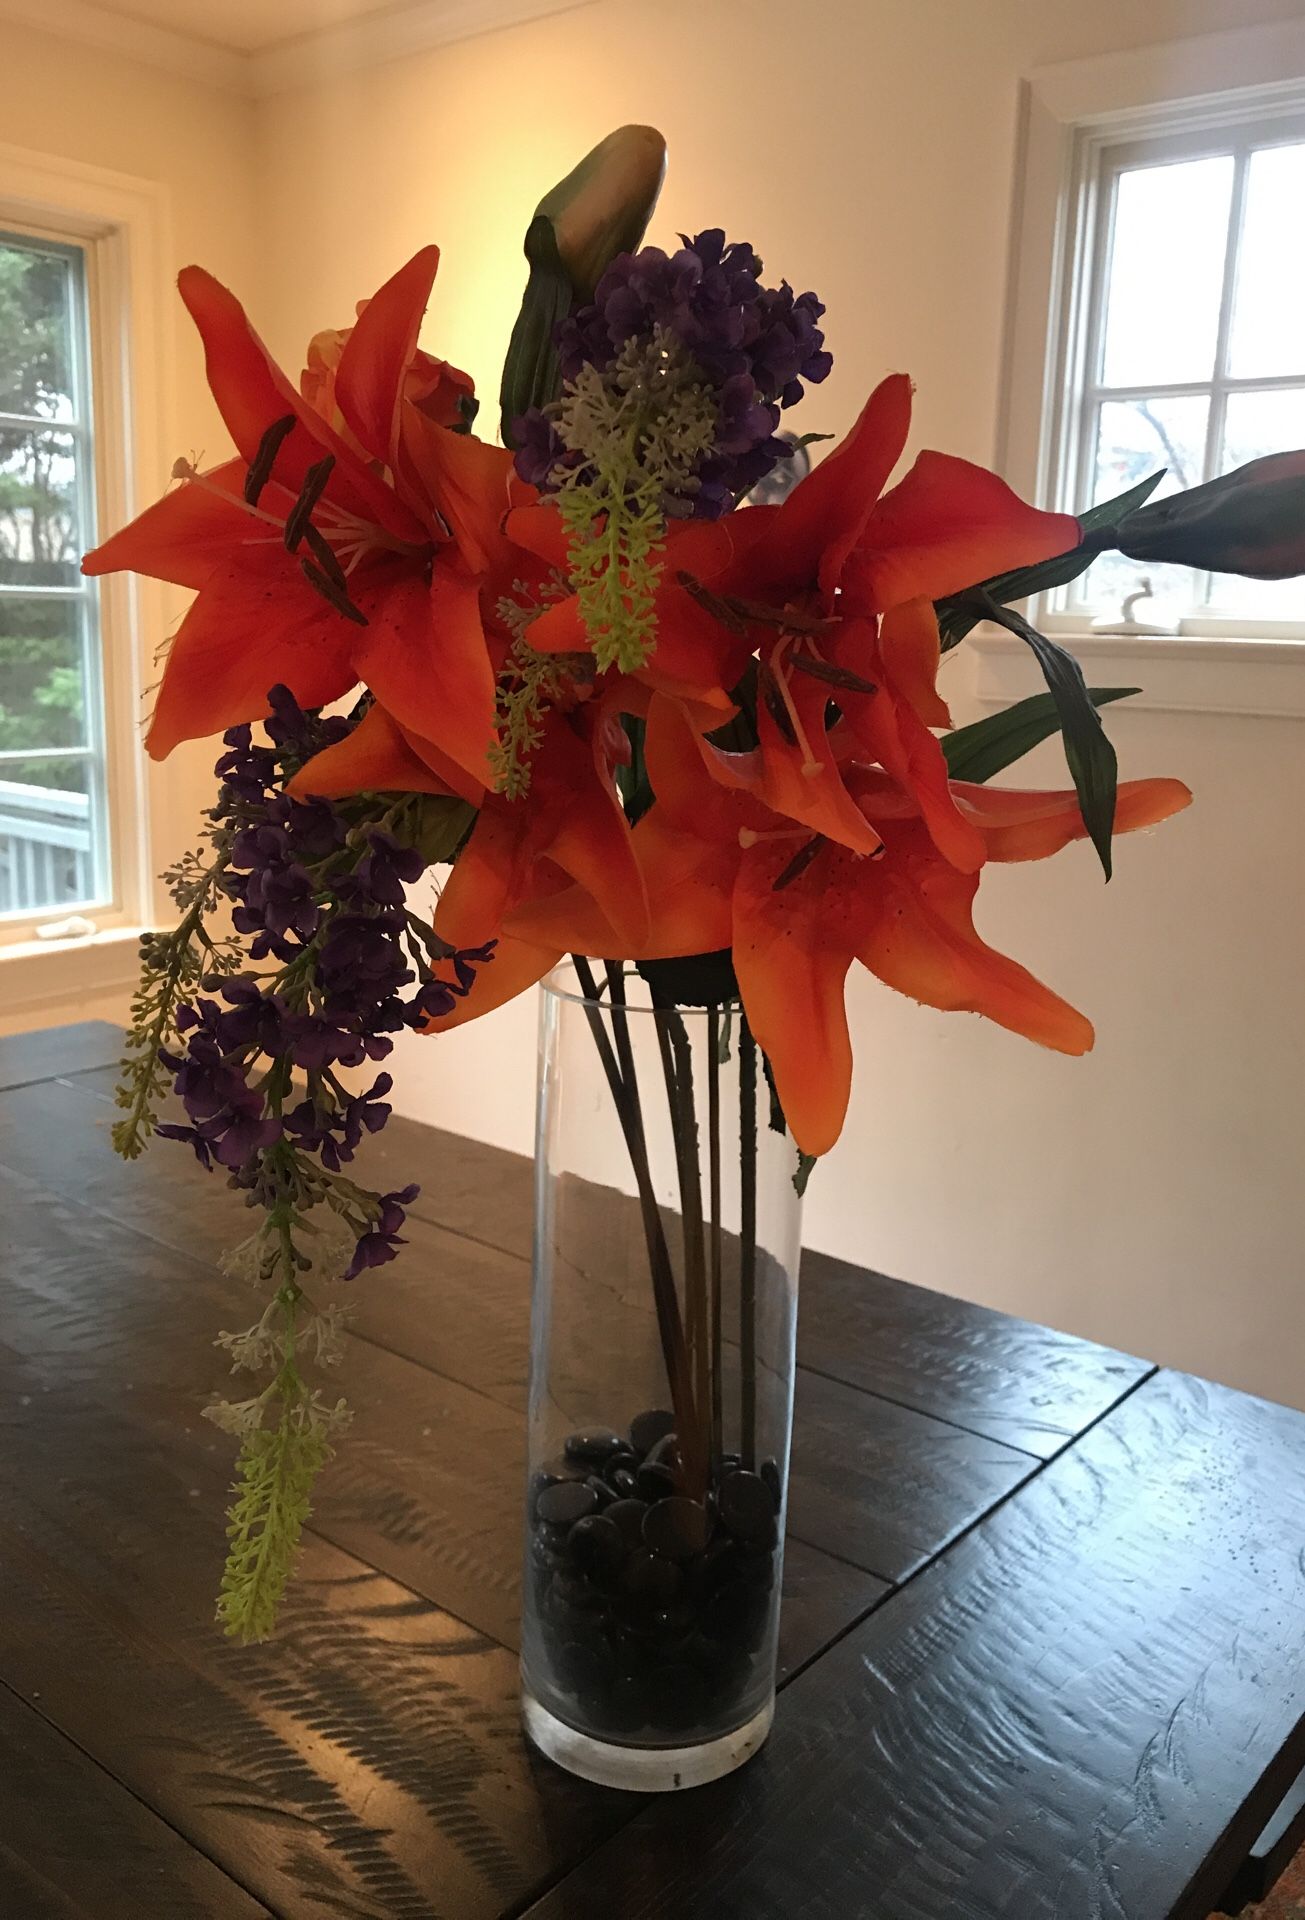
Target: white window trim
pixel 124 223
pixel 1067 112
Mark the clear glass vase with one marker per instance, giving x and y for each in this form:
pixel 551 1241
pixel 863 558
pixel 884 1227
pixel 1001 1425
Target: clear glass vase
pixel 667 1238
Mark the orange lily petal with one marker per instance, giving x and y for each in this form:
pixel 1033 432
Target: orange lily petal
pixel 374 758
pixel 380 347
pixel 468 481
pixel 1019 825
pixel 252 392
pixel 516 966
pixel 424 656
pixel 947 525
pixel 916 934
pixel 911 651
pixel 791 958
pixel 812 533
pixel 187 533
pixel 252 626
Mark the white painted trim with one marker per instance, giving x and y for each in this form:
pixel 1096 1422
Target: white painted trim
pixel 40 976
pixel 332 52
pixel 125 224
pixel 1260 679
pixel 134 39
pixel 308 60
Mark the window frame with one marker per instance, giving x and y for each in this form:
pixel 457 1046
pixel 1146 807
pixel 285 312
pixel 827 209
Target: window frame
pixel 121 225
pixel 1190 93
pixel 82 430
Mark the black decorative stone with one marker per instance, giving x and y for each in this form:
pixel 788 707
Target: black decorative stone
pixel 597 1545
pixel 651 1580
pixel 676 1527
pixel 646 1429
pixel 628 1515
pixel 746 1507
pixel 595 1446
pixel 562 1505
pixel 650 1607
pixel 655 1481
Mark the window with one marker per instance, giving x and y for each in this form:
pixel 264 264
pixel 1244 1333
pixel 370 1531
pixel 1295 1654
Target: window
pixel 1183 346
pixel 54 844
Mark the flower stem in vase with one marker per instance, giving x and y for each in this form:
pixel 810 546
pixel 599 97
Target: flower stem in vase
pixel 713 1150
pixel 748 1248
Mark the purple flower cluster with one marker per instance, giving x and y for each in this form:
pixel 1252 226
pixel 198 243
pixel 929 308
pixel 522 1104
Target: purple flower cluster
pixel 326 901
pixel 754 346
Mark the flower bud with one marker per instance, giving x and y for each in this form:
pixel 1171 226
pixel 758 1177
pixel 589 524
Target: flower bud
pixel 1250 522
pixel 604 203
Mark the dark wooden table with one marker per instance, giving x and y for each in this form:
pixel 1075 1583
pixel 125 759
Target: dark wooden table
pixel 1044 1638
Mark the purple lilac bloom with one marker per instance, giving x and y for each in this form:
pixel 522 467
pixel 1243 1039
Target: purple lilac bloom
pixel 755 347
pixel 349 936
pixel 381 1242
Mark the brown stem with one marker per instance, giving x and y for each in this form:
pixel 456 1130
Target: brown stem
pixel 748 1237
pixel 677 1069
pixel 713 1175
pixel 623 1081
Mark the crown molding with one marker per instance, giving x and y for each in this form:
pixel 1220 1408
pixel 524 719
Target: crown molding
pixel 324 55
pixel 334 51
pixel 138 40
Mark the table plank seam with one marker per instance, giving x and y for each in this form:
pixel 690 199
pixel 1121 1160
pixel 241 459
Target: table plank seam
pixel 908 1406
pixel 62 1733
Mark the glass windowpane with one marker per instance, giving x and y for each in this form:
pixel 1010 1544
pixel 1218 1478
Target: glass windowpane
pixel 43 699
pixel 1268 328
pixel 38 349
pixel 1134 439
pixel 1256 424
pixel 1165 273
pixel 47 833
pixel 41 540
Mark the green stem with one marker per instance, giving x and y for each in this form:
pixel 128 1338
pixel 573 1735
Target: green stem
pixel 714 1183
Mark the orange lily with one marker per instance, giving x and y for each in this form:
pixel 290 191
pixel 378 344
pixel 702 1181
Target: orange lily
pixel 333 550
pixel 797 909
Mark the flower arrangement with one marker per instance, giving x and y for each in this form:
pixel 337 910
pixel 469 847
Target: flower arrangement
pixel 639 718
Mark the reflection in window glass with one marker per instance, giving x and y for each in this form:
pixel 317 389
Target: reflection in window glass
pixel 52 819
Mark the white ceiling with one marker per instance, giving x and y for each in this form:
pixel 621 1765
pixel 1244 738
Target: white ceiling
pixel 247 26
pixel 261 47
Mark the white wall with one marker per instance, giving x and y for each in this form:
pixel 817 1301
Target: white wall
pixel 1148 1196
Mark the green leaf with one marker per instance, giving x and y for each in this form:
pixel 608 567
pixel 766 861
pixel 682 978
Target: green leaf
pixel 1088 752
pixel 989 746
pixel 803 1173
pixel 531 376
pixel 437 826
pixel 957 615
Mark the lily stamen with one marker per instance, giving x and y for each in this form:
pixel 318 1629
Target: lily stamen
pixel 749 837
pixel 810 765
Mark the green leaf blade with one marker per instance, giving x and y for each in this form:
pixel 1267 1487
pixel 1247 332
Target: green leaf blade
pixel 987 747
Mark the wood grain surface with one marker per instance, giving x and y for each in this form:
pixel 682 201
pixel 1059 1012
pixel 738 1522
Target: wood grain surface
pixel 1043 1627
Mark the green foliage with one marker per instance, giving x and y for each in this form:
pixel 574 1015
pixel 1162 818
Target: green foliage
pixel 802 1173
pixel 171 964
pixel 275 1473
pixel 640 428
pixel 525 686
pixel 1089 755
pixel 989 746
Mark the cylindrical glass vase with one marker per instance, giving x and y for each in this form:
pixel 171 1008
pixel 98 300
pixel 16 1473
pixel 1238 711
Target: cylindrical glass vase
pixel 666 1247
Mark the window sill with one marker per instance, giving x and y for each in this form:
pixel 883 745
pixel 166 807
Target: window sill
pixel 1177 673
pixel 41 975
